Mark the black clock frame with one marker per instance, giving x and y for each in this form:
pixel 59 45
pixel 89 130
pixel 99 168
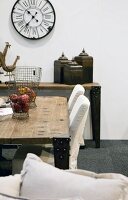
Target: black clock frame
pixel 38 37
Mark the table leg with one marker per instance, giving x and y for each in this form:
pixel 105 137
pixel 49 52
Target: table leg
pixel 61 152
pixel 0 151
pixel 5 165
pixel 1 157
pixel 95 98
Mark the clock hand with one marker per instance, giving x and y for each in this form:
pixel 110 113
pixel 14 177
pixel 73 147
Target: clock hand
pixel 33 17
pixel 29 13
pixel 31 20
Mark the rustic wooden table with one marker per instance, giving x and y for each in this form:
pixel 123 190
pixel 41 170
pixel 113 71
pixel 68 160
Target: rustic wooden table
pixel 52 89
pixel 47 123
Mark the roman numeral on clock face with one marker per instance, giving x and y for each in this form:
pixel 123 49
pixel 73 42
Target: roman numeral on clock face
pixel 47 16
pixel 25 31
pixel 32 2
pixel 17 17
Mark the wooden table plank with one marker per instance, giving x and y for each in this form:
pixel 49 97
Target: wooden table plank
pixel 49 119
pixel 57 86
pixel 5 136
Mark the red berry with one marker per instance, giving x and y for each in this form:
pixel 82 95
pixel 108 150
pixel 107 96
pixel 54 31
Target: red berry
pixel 25 107
pixel 17 107
pixel 23 98
pixel 14 97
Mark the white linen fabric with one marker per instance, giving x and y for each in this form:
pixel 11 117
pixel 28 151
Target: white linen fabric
pixel 99 175
pixel 40 179
pixel 8 197
pixel 77 90
pixel 10 184
pixel 78 117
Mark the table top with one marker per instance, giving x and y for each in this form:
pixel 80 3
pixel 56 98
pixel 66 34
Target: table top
pixel 48 120
pixel 58 86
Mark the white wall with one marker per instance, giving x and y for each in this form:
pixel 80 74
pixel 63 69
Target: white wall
pixel 101 27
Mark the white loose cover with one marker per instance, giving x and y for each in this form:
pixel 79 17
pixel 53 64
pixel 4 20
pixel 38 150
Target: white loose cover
pixel 10 184
pixel 9 197
pixel 77 90
pixel 78 117
pixel 43 181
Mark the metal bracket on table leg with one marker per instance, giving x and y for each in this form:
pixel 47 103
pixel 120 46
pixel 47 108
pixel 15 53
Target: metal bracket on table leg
pixel 61 152
pixel 95 95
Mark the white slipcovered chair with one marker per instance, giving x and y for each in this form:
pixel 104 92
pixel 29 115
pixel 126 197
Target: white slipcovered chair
pixel 78 117
pixel 77 90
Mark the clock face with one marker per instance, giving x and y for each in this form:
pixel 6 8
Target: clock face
pixel 33 19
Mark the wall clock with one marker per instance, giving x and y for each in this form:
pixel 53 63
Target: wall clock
pixel 33 19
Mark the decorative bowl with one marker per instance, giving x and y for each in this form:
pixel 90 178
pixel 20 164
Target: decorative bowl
pixel 20 106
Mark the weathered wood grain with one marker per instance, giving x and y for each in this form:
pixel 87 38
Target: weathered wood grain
pixel 49 119
pixel 57 86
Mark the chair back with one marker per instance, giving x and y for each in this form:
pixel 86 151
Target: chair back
pixel 77 117
pixel 77 90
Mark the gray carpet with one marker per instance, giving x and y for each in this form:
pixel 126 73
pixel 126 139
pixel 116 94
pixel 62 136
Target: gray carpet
pixel 112 156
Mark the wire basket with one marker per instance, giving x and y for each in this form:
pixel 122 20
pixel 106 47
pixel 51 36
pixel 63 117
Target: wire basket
pixel 26 81
pixel 28 76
